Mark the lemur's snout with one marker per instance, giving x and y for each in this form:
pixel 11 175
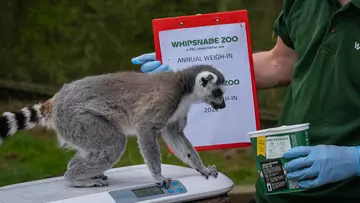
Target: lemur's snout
pixel 218 106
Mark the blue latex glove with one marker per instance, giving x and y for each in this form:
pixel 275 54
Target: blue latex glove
pixel 149 64
pixel 322 164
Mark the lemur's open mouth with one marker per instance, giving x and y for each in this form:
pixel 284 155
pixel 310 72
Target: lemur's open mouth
pixel 218 106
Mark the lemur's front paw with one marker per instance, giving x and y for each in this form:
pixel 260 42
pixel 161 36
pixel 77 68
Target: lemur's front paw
pixel 209 171
pixel 213 171
pixel 163 182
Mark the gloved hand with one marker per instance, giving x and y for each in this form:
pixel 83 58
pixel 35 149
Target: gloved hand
pixel 149 64
pixel 322 164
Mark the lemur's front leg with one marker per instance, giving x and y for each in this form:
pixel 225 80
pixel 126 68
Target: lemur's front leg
pixel 173 135
pixel 150 151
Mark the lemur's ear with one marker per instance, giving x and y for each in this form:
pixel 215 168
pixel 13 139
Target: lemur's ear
pixel 206 80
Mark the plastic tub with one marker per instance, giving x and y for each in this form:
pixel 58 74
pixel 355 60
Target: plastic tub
pixel 269 145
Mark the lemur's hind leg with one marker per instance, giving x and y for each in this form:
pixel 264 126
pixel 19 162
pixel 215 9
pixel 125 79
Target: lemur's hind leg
pixel 76 159
pixel 101 145
pixel 88 171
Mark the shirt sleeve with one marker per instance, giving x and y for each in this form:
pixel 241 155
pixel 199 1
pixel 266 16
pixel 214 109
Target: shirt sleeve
pixel 280 25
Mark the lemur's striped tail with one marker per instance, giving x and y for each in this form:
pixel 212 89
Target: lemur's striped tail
pixel 26 118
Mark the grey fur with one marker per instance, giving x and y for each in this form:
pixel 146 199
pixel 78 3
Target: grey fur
pixel 94 115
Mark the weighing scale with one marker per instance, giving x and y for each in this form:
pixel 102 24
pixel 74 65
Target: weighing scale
pixel 126 185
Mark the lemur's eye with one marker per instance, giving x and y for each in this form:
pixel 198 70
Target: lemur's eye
pixel 216 93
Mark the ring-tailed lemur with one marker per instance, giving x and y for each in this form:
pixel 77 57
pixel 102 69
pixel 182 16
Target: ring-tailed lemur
pixel 94 116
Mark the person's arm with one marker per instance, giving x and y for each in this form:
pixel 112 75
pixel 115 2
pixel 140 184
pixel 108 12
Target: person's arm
pixel 274 68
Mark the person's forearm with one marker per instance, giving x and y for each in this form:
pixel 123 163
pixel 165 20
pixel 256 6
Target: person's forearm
pixel 274 68
pixel 269 72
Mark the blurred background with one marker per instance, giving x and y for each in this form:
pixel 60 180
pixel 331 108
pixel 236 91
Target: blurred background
pixel 44 44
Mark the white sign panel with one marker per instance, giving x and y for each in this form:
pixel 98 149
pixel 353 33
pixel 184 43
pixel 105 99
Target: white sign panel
pixel 225 47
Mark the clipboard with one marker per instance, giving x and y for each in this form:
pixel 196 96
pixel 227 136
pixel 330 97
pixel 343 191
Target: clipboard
pixel 173 27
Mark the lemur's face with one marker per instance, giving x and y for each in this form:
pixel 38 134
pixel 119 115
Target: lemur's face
pixel 209 90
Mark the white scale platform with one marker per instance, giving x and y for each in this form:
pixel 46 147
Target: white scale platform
pixel 187 185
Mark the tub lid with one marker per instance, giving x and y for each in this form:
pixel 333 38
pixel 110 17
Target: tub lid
pixel 280 130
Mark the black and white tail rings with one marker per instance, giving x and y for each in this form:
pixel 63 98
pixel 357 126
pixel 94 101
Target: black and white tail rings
pixel 11 122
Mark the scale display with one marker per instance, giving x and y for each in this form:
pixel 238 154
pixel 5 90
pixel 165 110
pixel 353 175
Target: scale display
pixel 147 192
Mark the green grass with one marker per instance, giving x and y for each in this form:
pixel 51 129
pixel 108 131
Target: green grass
pixel 34 154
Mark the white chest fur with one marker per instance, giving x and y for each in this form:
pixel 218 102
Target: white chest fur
pixel 129 130
pixel 183 108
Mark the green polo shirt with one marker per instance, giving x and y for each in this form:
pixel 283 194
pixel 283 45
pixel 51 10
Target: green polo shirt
pixel 325 87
